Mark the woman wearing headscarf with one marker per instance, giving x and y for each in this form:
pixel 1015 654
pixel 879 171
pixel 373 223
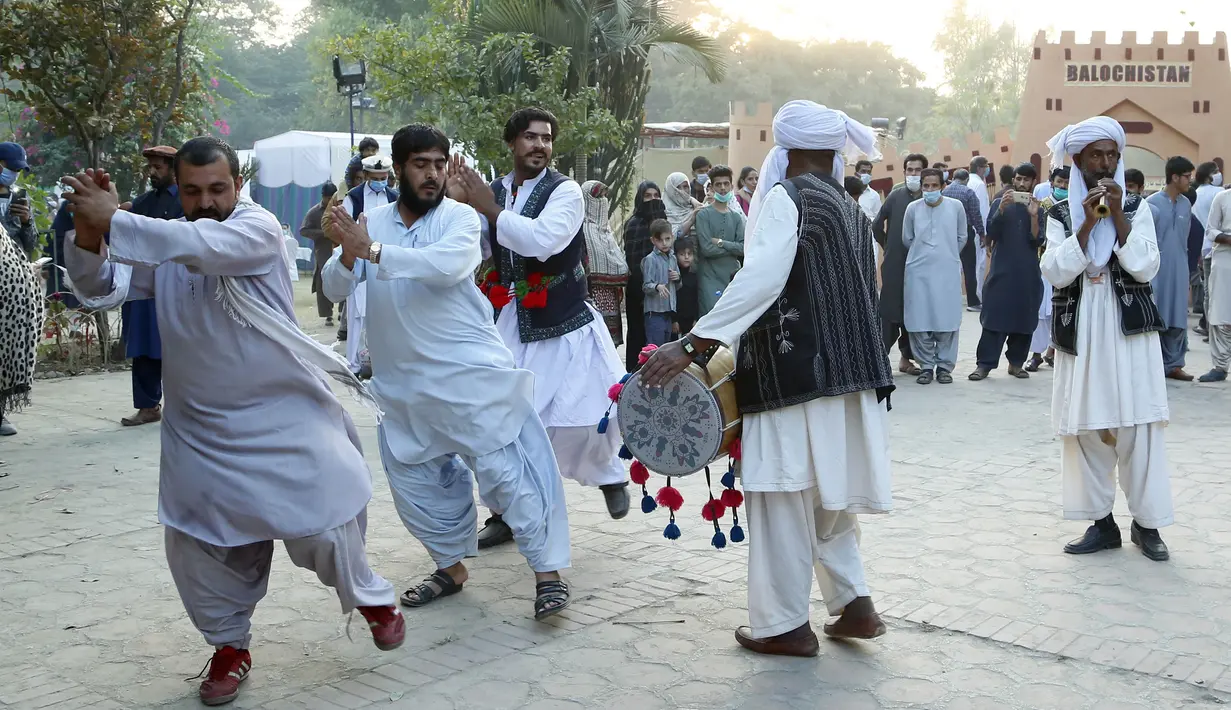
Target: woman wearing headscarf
pixel 647 207
pixel 681 207
pixel 606 270
pixel 746 187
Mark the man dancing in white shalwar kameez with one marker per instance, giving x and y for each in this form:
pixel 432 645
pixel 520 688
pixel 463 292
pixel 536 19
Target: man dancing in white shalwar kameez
pixel 1109 400
pixel 815 429
pixel 373 192
pixel 255 446
pixel 534 219
pixel 446 383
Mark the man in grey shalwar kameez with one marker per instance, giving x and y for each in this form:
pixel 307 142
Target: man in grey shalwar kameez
pixel 1172 216
pixel 934 231
pixel 887 231
pixel 255 446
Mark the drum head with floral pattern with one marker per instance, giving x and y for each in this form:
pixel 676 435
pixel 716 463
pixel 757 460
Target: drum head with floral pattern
pixel 675 430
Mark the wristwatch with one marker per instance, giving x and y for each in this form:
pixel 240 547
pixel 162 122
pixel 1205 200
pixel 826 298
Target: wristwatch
pixel 689 349
pixel 374 252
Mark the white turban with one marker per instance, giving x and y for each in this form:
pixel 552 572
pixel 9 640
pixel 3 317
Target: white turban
pixel 807 125
pixel 1067 144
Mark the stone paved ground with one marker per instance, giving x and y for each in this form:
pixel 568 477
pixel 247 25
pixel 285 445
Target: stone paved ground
pixel 984 609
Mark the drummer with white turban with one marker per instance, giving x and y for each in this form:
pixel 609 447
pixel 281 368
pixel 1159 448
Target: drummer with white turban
pixel 1109 400
pixel 812 379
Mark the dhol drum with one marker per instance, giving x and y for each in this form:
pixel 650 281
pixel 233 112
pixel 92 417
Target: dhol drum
pixel 681 428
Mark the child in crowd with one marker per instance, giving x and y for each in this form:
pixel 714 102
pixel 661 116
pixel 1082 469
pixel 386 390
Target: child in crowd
pixel 687 304
pixel 661 279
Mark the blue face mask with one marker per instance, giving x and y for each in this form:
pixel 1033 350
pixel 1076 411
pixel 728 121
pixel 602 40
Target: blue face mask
pixel 931 196
pixel 378 185
pixel 703 178
pixel 1061 193
pixel 7 177
pixel 866 178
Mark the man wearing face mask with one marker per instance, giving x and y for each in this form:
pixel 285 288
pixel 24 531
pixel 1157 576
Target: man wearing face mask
pixel 980 180
pixel 372 193
pixel 887 230
pixel 1040 343
pixel 974 232
pixel 934 231
pixel 15 214
pixel 870 200
pixel 720 240
pixel 21 302
pixel 701 177
pixel 1209 185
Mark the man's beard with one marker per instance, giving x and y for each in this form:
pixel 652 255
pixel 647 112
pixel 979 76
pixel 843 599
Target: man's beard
pixel 1092 177
pixel 209 213
pixel 417 205
pixel 160 183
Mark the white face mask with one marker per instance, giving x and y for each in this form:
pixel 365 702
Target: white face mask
pixel 1217 180
pixel 866 178
pixel 913 182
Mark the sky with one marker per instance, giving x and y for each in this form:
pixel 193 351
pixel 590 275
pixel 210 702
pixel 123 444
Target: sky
pixel 909 26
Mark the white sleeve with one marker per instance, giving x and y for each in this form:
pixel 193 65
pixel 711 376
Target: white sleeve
pixel 550 232
pixel 248 243
pixel 99 283
pixel 1214 222
pixel 1065 260
pixel 767 264
pixel 448 261
pixel 1140 256
pixel 337 281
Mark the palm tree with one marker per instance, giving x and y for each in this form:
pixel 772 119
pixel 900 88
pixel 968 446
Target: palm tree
pixel 609 44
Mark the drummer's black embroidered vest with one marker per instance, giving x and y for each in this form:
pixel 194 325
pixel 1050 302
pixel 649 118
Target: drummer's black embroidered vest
pixel 1138 312
pixel 566 309
pixel 822 336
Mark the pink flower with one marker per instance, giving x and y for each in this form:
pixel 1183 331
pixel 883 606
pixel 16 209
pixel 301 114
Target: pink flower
pixel 213 81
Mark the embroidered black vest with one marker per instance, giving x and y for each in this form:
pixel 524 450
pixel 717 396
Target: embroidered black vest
pixel 566 309
pixel 1138 312
pixel 356 199
pixel 822 336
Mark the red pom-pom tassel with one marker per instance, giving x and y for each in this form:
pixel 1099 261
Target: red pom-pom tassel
pixel 732 498
pixel 639 473
pixel 713 510
pixel 736 451
pixel 669 497
pixel 613 392
pixel 644 356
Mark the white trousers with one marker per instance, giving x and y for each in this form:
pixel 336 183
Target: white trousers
pixel 980 268
pixel 1220 346
pixel 1089 461
pixel 356 333
pixel 1041 340
pixel 435 499
pixel 220 586
pixel 585 456
pixel 790 539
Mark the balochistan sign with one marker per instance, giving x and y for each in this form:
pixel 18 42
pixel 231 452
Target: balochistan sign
pixel 1128 74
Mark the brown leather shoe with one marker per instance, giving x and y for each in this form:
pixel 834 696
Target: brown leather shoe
pixel 1179 374
pixel 859 620
pixel 144 416
pixel 798 642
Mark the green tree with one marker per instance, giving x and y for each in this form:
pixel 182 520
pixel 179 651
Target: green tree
pixel 454 87
pixel 985 75
pixel 609 43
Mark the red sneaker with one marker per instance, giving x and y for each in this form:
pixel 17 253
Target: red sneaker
pixel 387 624
pixel 227 669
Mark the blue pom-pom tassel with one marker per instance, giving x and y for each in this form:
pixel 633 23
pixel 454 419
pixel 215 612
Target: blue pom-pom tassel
pixel 672 531
pixel 602 425
pixel 728 480
pixel 719 541
pixel 737 534
pixel 625 378
pixel 625 453
pixel 647 503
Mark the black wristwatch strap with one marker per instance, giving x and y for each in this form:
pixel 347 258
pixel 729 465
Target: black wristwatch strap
pixel 689 348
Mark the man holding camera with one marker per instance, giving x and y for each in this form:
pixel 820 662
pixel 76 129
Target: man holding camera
pixel 1014 287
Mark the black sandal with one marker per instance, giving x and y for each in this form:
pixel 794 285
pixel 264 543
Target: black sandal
pixel 435 587
pixel 550 599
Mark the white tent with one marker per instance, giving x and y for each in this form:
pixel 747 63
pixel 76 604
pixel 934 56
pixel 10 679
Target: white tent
pixel 307 158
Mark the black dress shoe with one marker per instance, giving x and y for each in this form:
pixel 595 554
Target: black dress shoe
pixel 1096 539
pixel 617 499
pixel 495 532
pixel 1150 542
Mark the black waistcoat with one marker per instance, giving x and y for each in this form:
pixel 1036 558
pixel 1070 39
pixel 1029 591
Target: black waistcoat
pixel 1138 312
pixel 822 336
pixel 566 309
pixel 356 199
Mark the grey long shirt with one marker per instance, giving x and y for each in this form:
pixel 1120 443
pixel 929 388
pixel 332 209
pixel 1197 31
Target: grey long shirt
pixel 655 269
